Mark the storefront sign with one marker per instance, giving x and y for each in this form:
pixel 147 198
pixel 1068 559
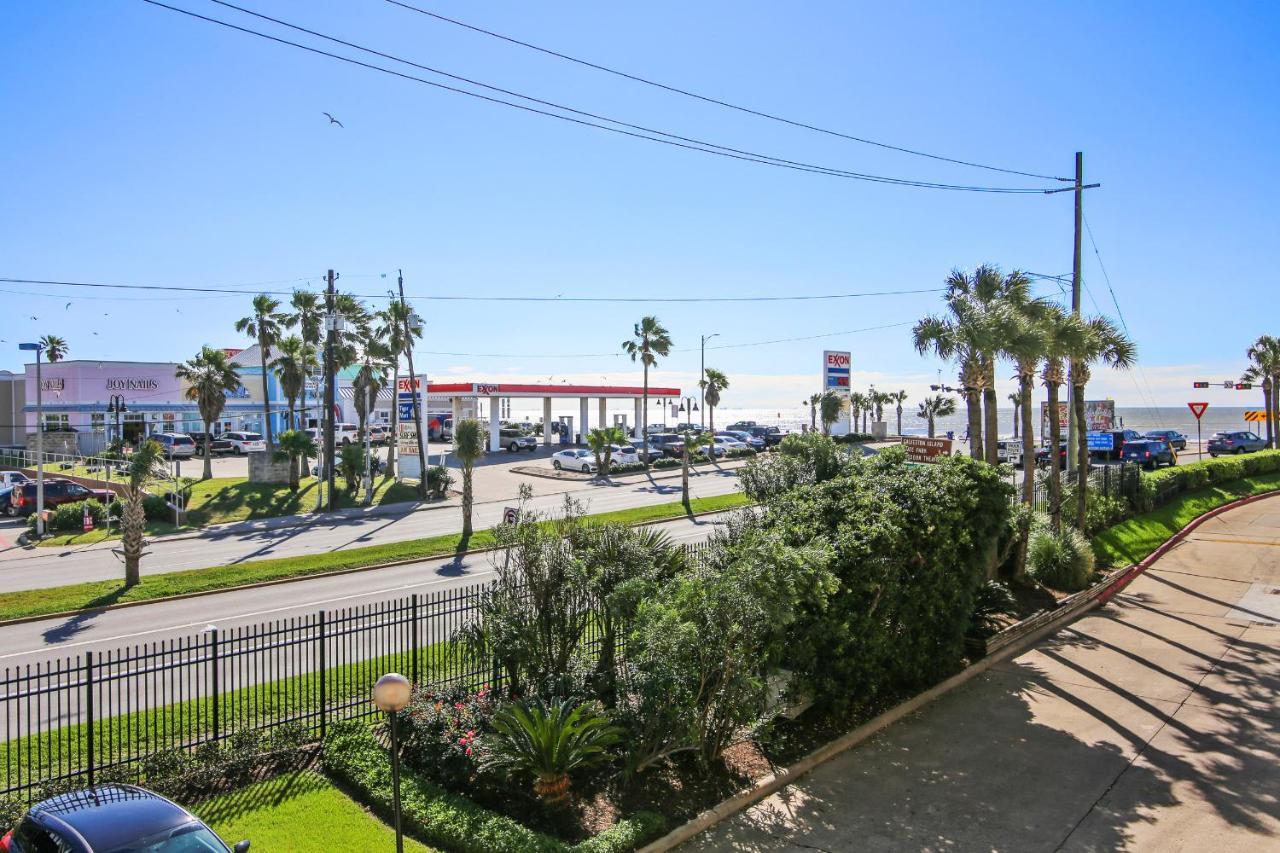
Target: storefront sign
pixel 239 393
pixel 486 390
pixel 1098 415
pixel 407 440
pixel 926 450
pixel 835 370
pixel 129 384
pixel 56 384
pixel 407 385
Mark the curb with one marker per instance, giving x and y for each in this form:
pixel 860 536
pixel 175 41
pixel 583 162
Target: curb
pixel 70 614
pixel 636 476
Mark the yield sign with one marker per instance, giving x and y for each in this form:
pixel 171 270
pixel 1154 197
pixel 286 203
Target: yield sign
pixel 1197 409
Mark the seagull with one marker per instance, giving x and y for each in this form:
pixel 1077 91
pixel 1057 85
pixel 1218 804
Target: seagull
pixel 67 306
pixel 333 120
pixel 35 318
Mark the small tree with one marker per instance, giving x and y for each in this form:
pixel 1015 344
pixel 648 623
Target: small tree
pixel 601 442
pixel 936 407
pixel 469 439
pixel 693 441
pixel 210 376
pixel 829 408
pixel 146 465
pixel 295 445
pixel 713 382
pixel 898 398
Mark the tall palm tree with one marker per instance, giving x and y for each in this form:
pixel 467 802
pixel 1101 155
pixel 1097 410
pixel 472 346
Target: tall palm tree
pixel 55 348
pixel 858 403
pixel 959 337
pixel 401 317
pixel 693 442
pixel 1264 370
pixel 295 361
pixel 368 383
pixel 937 406
pixel 1024 344
pixel 713 382
pixel 898 398
pixel 829 409
pixel 1101 343
pixel 210 377
pixel 470 438
pixel 1016 399
pixel 308 315
pixel 649 342
pixel 1063 333
pixel 813 411
pixel 146 465
pixel 390 331
pixel 264 324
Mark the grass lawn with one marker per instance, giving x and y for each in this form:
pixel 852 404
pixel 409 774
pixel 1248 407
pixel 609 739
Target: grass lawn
pixel 1132 540
pixel 300 812
pixel 86 596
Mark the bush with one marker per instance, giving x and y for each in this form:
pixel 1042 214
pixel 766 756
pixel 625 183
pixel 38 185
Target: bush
pixel 992 600
pixel 69 518
pixel 1061 561
pixel 853 438
pixel 354 757
pixel 155 508
pixel 438 481
pixel 1159 487
pixel 666 462
pixel 443 732
pixel 549 741
pixel 625 467
pixel 740 453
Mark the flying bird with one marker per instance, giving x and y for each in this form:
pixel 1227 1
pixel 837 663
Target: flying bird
pixel 333 120
pixel 35 318
pixel 67 306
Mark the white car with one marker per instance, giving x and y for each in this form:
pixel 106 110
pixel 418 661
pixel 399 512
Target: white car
pixel 245 442
pixel 9 479
pixel 574 460
pixel 342 434
pixel 623 455
pixel 730 443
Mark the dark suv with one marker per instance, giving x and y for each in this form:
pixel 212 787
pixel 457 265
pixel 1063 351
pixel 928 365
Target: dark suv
pixel 56 492
pixel 1148 452
pixel 771 435
pixel 672 445
pixel 218 446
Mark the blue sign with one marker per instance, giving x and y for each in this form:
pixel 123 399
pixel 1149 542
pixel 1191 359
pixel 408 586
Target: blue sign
pixel 1101 441
pixel 406 411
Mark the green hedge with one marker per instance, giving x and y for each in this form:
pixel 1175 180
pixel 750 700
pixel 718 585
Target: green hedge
pixel 353 755
pixel 854 438
pixel 1160 487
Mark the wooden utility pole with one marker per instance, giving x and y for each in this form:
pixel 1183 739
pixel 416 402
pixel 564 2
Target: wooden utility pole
pixel 413 378
pixel 331 329
pixel 1073 427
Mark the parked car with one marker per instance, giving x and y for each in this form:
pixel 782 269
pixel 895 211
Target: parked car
pixel 647 449
pixel 218 444
pixel 574 459
pixel 6 502
pixel 379 433
pixel 728 442
pixel 755 442
pixel 672 445
pixel 1176 440
pixel 1109 443
pixel 1149 453
pixel 1241 441
pixel 9 479
pixel 623 454
pixel 655 428
pixel 514 440
pixel 176 445
pixel 1042 456
pixel 112 819
pixel 744 426
pixel 245 442
pixel 56 492
pixel 771 435
pixel 687 427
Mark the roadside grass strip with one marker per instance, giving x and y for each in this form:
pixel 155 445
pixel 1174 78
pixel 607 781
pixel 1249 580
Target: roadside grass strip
pixel 1133 540
pixel 96 594
pixel 298 811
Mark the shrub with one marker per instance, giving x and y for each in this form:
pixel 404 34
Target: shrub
pixel 70 517
pixel 740 453
pixel 666 462
pixel 992 600
pixel 625 467
pixel 1061 561
pixel 854 438
pixel 154 508
pixel 438 481
pixel 548 742
pixel 1159 487
pixel 443 733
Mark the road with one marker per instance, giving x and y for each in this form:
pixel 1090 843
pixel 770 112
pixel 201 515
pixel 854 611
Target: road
pixel 39 568
pixel 1151 724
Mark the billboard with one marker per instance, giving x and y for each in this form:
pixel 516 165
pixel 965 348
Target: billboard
pixel 1098 415
pixel 835 370
pixel 926 450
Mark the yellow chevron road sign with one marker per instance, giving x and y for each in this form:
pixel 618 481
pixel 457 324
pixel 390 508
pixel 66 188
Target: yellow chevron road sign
pixel 1256 415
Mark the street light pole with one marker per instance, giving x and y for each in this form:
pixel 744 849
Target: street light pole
pixel 391 694
pixel 38 349
pixel 702 378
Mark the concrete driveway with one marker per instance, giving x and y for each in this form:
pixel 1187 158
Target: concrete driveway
pixel 1153 724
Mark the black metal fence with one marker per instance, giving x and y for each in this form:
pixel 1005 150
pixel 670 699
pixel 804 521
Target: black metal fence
pixel 1109 481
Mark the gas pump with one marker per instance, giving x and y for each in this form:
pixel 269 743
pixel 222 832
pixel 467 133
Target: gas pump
pixel 566 429
pixel 620 421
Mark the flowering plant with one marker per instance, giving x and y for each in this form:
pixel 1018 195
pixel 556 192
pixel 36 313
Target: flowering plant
pixel 445 733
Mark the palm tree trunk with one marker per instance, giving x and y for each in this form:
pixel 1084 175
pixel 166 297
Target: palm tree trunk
pixel 991 407
pixel 1055 464
pixel 1082 458
pixel 1273 416
pixel 1016 421
pixel 467 498
pixel 684 480
pixel 133 522
pixel 644 413
pixel 208 452
pixel 711 419
pixel 293 472
pixel 813 418
pixel 973 407
pixel 266 396
pixel 1027 383
pixel 899 421
pixel 395 421
pixel 1267 393
pixel 931 425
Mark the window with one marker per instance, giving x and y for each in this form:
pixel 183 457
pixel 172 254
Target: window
pixel 55 423
pixel 98 420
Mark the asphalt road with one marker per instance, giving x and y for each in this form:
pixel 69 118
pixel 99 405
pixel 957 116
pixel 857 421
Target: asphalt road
pixel 38 568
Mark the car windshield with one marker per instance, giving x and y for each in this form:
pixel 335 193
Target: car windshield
pixel 191 838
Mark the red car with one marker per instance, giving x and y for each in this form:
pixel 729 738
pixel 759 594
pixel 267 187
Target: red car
pixel 56 493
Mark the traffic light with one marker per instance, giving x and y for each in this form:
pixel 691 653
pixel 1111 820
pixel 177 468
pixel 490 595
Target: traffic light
pixel 1244 386
pixel 1200 384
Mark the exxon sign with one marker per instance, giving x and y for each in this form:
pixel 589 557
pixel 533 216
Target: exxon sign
pixel 835 370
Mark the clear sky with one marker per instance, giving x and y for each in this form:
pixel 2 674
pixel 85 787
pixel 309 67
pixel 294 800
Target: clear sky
pixel 143 146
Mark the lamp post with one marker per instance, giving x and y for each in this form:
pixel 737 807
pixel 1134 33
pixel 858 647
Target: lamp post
pixel 117 407
pixel 702 376
pixel 391 694
pixel 38 348
pixel 689 405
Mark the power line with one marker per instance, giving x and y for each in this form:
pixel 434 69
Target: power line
pixel 1105 276
pixel 707 99
pixel 636 131
pixel 438 298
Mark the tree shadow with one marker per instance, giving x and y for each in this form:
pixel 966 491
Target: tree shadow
pixel 268 794
pixel 81 621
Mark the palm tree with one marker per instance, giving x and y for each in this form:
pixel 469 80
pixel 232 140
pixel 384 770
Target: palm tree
pixel 1062 334
pixel 469 441
pixel 210 376
pixel 368 383
pixel 296 361
pixel 713 382
pixel 1016 399
pixel 399 316
pixel 264 324
pixel 829 409
pixel 391 331
pixel 308 315
pixel 1024 344
pixel 1265 371
pixel 897 398
pixel 813 411
pixel 601 442
pixel 650 342
pixel 295 445
pixel 965 336
pixel 55 348
pixel 693 441
pixel 936 407
pixel 1102 342
pixel 858 403
pixel 145 466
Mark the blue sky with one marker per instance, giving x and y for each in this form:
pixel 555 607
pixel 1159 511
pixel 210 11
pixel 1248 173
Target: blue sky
pixel 143 146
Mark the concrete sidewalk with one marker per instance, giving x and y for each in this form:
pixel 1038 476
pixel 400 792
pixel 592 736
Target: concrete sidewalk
pixel 1153 724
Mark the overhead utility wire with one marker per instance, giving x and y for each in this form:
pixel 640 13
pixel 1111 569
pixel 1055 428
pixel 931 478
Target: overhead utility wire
pixel 637 131
pixel 196 289
pixel 707 99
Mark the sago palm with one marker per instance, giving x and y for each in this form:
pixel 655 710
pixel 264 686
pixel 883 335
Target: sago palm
pixel 649 342
pixel 210 377
pixel 713 383
pixel 469 441
pixel 146 465
pixel 550 742
pixel 265 325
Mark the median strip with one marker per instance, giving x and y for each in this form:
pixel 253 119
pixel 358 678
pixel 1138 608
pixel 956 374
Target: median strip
pixel 27 605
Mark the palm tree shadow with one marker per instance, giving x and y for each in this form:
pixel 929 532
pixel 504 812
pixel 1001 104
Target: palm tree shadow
pixel 81 621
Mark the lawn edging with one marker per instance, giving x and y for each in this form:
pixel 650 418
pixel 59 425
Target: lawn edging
pixel 67 614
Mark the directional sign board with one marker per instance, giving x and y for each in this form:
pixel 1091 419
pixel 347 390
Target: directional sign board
pixel 1229 384
pixel 920 449
pixel 1255 416
pixel 1198 409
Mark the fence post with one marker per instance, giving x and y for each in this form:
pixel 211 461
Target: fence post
pixel 215 687
pixel 324 699
pixel 88 703
pixel 414 634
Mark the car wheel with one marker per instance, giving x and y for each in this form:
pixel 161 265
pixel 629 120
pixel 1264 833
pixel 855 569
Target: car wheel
pixel 1214 455
pixel 345 441
pixel 1239 450
pixel 512 447
pixel 586 469
pixel 555 463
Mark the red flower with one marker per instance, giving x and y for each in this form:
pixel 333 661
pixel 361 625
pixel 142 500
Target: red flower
pixel 468 750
